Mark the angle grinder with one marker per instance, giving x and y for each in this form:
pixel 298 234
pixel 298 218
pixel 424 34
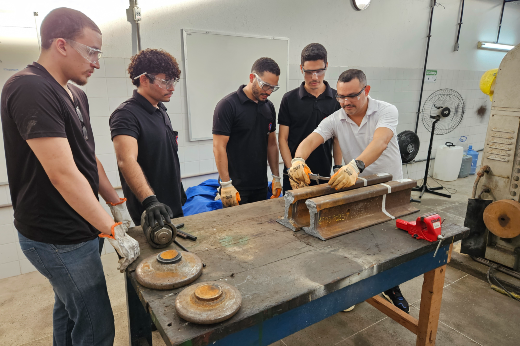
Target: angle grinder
pixel 158 236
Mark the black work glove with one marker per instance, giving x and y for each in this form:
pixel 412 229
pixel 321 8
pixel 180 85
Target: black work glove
pixel 156 211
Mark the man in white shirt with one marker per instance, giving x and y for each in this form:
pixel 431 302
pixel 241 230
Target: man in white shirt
pixel 366 131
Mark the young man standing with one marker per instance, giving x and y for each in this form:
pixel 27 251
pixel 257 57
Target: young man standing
pixel 244 138
pixel 55 177
pixel 145 142
pixel 302 110
pixel 366 132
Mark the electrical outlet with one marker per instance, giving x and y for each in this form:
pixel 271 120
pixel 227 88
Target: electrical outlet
pixel 137 14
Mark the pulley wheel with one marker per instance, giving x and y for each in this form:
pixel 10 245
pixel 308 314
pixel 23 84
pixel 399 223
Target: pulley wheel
pixel 502 218
pixel 208 302
pixel 158 236
pixel 169 269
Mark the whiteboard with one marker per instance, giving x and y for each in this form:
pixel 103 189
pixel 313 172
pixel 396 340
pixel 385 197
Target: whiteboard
pixel 217 64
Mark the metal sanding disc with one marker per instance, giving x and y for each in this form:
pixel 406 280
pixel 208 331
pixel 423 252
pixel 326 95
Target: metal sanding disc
pixel 172 272
pixel 208 302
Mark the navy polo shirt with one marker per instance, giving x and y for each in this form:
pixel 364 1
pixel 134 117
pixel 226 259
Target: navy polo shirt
pixel 302 112
pixel 248 125
pixel 157 145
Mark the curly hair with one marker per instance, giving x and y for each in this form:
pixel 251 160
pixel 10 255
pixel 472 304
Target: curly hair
pixel 313 52
pixel 153 61
pixel 265 65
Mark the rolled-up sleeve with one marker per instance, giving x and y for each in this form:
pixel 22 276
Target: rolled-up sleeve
pixel 326 127
pixel 389 118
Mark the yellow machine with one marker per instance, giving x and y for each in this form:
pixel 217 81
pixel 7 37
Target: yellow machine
pixel 493 213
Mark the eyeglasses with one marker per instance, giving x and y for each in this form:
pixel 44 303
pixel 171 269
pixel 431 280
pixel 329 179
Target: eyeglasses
pixel 351 97
pixel 165 84
pixel 266 86
pixel 320 72
pixel 83 127
pixel 92 55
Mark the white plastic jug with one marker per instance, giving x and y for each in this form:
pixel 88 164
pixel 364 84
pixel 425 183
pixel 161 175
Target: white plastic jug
pixel 447 162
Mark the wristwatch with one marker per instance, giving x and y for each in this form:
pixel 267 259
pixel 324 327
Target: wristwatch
pixel 360 165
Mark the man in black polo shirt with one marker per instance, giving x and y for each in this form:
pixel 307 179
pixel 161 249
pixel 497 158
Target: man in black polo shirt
pixel 145 142
pixel 244 138
pixel 302 110
pixel 55 177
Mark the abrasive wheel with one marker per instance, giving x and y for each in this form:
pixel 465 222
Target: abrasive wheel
pixel 158 236
pixel 208 302
pixel 502 218
pixel 169 269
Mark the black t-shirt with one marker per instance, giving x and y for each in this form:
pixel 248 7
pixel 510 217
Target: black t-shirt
pixel 157 156
pixel 248 125
pixel 303 112
pixel 35 105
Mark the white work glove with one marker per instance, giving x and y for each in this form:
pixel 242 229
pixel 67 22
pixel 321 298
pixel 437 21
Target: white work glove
pixel 228 194
pixel 346 176
pixel 126 246
pixel 120 212
pixel 299 173
pixel 276 187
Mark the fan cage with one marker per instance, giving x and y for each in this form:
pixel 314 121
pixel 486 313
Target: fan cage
pixel 438 100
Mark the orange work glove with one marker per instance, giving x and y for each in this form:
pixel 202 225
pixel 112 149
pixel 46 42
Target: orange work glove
pixel 346 176
pixel 299 173
pixel 228 194
pixel 276 187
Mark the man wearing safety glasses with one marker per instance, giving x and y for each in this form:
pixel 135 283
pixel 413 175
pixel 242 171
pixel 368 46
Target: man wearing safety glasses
pixel 366 131
pixel 244 138
pixel 145 141
pixel 301 111
pixel 55 178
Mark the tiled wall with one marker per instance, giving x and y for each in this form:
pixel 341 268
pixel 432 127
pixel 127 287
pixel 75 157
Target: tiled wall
pixel 110 86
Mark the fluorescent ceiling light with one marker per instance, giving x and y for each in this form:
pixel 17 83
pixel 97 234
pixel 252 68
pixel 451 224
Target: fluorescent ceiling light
pixel 494 46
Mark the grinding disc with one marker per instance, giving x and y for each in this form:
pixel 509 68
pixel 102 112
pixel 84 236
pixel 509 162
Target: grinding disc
pixel 169 269
pixel 208 302
pixel 502 218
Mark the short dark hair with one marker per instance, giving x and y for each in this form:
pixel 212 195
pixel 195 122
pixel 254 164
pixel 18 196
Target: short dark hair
pixel 64 23
pixel 153 61
pixel 349 75
pixel 265 65
pixel 313 52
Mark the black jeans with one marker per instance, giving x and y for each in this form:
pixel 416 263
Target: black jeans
pixel 250 196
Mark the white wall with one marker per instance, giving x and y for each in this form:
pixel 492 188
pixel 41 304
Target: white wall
pixel 387 41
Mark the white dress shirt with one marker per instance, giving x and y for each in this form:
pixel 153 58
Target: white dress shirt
pixel 354 139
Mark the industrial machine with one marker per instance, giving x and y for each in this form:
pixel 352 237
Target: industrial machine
pixel 493 213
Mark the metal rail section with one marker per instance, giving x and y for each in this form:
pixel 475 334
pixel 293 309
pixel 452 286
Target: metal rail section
pixel 296 213
pixel 345 212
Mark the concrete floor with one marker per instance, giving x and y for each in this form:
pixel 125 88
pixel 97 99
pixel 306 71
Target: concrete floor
pixel 471 313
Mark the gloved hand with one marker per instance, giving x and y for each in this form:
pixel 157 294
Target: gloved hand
pixel 126 246
pixel 228 194
pixel 299 173
pixel 120 212
pixel 345 177
pixel 336 168
pixel 276 187
pixel 156 211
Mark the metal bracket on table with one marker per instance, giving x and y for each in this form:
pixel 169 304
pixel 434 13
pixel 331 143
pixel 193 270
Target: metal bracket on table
pixel 296 213
pixel 344 212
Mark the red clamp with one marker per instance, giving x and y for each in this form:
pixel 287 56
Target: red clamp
pixel 427 226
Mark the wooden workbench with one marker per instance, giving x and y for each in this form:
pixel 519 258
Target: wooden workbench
pixel 289 280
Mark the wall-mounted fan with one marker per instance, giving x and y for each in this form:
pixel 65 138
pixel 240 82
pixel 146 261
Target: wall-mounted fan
pixel 441 113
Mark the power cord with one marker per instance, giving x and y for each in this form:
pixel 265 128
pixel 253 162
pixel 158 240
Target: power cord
pixel 500 289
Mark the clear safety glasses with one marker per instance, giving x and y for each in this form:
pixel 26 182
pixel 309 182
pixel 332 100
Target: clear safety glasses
pixel 165 84
pixel 309 73
pixel 266 86
pixel 350 97
pixel 92 55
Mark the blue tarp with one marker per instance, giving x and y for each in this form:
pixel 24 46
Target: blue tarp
pixel 201 198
